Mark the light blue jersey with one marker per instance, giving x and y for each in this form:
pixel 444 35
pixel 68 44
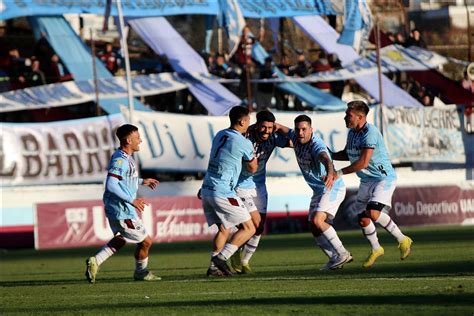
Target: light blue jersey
pixel 228 150
pixel 122 167
pixel 313 170
pixel 263 151
pixel 379 164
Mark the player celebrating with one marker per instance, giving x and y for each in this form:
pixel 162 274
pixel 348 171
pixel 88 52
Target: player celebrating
pixel 328 193
pixel 121 204
pixel 220 202
pixel 366 151
pixel 251 188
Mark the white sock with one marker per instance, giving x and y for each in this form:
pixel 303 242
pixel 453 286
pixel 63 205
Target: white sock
pixel 325 246
pixel 228 251
pixel 334 241
pixel 140 265
pixel 104 253
pixel 386 222
pixel 250 248
pixel 370 232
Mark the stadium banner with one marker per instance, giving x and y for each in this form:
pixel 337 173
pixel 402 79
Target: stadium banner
pixel 182 142
pixel 429 134
pixel 83 223
pixel 77 92
pixel 140 8
pixel 420 205
pixel 75 151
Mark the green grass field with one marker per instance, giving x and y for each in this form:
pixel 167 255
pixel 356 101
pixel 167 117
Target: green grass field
pixel 438 279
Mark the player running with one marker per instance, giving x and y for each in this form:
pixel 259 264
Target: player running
pixel 121 205
pixel 220 202
pixel 365 149
pixel 251 188
pixel 328 193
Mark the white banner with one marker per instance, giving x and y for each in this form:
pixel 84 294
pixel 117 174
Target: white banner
pixel 182 142
pixel 430 134
pixel 76 92
pixel 75 151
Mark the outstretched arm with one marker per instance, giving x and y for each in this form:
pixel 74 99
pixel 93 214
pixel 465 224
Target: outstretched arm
pixel 340 155
pixel 151 183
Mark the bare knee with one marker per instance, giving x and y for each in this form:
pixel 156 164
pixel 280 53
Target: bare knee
pixel 364 219
pixel 249 227
pixel 146 243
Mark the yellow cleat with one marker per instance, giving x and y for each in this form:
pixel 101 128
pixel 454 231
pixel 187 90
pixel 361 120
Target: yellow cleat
pixel 374 254
pixel 235 262
pixel 145 276
pixel 405 247
pixel 246 269
pixel 91 269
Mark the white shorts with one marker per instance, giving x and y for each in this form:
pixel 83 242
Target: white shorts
pixel 375 191
pixel 328 202
pixel 227 211
pixel 254 199
pixel 132 230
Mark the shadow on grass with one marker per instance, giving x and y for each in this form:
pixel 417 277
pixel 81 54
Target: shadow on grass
pixel 379 300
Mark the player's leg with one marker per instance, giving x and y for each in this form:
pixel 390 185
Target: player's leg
pixel 260 199
pixel 380 204
pixel 232 212
pixel 93 263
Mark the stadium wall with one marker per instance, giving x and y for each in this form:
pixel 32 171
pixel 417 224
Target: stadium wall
pixel 72 215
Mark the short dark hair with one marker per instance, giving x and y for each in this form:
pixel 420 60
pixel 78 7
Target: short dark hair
pixel 124 131
pixel 303 118
pixel 237 113
pixel 359 106
pixel 265 116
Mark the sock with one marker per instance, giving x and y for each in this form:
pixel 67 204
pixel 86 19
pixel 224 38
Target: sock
pixel 370 232
pixel 141 264
pixel 213 254
pixel 104 253
pixel 386 222
pixel 334 241
pixel 228 251
pixel 325 246
pixel 250 248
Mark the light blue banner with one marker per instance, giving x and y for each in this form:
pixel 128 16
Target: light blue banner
pixel 136 8
pixel 76 56
pixel 429 134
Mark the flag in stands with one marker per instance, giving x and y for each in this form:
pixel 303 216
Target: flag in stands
pixel 231 18
pixel 357 24
pixel 108 8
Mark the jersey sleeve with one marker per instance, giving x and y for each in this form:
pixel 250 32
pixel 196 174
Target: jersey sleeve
pixel 118 168
pixel 369 140
pixel 292 135
pixel 281 141
pixel 319 147
pixel 248 152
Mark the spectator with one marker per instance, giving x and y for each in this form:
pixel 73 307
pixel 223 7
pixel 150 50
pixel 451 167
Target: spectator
pixel 222 69
pixel 55 71
pixel 415 39
pixel 109 58
pixel 301 69
pixel 285 65
pixel 467 83
pixel 16 69
pixel 43 51
pixel 244 51
pixel 400 39
pixel 35 77
pixel 320 65
pixel 265 89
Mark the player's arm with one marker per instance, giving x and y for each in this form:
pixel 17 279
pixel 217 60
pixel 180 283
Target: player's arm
pixel 340 155
pixel 112 186
pixel 252 165
pixel 151 183
pixel 361 163
pixel 284 131
pixel 327 162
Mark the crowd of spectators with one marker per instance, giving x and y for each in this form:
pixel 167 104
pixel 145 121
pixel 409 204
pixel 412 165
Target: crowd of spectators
pixel 18 71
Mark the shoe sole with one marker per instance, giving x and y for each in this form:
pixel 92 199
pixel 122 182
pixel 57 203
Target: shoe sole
pixel 89 276
pixel 363 266
pixel 340 265
pixel 408 254
pixel 222 266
